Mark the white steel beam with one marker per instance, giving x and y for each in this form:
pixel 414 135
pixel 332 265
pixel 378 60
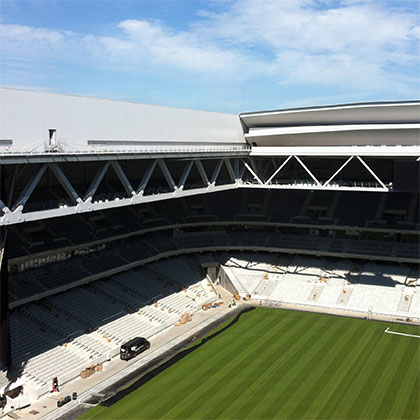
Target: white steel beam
pixel 331 187
pixel 370 170
pixel 332 128
pixel 19 217
pixel 380 151
pixel 307 170
pixel 253 173
pixel 338 170
pixel 278 170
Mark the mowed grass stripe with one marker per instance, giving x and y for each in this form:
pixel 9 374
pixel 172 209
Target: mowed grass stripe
pixel 371 376
pixel 306 365
pixel 404 407
pixel 345 380
pixel 235 382
pixel 266 378
pixel 191 371
pixel 381 383
pixel 412 406
pixel 316 385
pixel 387 389
pixel 162 385
pixel 231 359
pixel 294 371
pixel 222 373
pixel 338 327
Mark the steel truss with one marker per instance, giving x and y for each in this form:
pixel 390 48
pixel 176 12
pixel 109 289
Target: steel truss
pixel 87 203
pixel 236 168
pixel 378 185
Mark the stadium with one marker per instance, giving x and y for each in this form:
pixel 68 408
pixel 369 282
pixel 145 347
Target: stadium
pixel 271 260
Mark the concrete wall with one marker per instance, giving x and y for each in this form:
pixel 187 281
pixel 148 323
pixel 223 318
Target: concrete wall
pixel 26 117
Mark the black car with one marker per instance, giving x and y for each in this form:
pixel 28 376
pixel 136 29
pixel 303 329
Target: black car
pixel 133 347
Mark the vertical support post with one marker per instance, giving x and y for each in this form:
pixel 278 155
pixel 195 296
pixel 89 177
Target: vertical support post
pixel 5 352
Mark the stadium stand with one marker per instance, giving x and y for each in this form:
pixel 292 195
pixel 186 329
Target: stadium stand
pixel 65 329
pixel 372 288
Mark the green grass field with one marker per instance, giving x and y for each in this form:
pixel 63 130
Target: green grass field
pixel 287 365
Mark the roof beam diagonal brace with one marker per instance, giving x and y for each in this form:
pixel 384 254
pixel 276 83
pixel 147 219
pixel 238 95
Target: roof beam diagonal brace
pixel 146 177
pixel 29 188
pixel 65 183
pixel 4 208
pixel 230 170
pixel 167 174
pixel 123 178
pixel 278 170
pixel 256 177
pixel 96 182
pixel 216 172
pixel 308 171
pixel 371 172
pixel 338 170
pixel 236 168
pixel 202 172
pixel 185 174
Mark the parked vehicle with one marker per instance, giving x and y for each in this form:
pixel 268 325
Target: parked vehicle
pixel 133 347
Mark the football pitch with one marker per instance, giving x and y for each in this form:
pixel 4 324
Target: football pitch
pixel 279 364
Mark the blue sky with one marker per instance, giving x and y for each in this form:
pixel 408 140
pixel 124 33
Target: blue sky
pixel 220 55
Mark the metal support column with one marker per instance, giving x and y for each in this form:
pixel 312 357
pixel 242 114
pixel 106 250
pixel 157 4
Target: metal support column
pixel 5 351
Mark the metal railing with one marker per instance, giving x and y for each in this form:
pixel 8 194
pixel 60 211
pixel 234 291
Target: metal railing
pixel 68 148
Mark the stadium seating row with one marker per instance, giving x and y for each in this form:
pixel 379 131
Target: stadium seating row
pixel 61 334
pixel 55 276
pixel 369 288
pixel 396 210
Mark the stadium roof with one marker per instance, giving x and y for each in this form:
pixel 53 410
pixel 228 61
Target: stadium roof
pixel 394 123
pixel 35 124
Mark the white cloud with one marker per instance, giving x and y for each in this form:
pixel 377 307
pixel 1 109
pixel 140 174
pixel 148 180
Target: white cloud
pixel 153 42
pixel 322 42
pixel 350 44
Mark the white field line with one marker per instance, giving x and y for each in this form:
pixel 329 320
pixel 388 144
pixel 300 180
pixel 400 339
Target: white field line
pixel 397 333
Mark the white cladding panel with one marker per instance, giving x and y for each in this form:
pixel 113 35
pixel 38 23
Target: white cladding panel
pixel 26 117
pixel 364 113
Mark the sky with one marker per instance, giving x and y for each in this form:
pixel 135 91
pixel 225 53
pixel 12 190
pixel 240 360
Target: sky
pixel 218 55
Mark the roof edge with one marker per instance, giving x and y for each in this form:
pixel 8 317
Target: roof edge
pixel 333 106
